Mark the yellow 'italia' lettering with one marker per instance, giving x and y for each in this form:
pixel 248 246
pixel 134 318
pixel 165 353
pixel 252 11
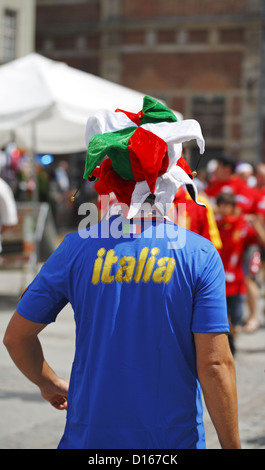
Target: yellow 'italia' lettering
pixel 150 265
pixel 125 272
pixel 140 264
pixel 165 270
pixel 98 266
pixel 144 269
pixel 111 259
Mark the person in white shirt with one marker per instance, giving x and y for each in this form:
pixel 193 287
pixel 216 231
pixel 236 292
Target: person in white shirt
pixel 8 209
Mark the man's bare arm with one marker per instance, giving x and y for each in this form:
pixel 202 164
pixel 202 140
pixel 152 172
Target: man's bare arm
pixel 216 372
pixel 22 342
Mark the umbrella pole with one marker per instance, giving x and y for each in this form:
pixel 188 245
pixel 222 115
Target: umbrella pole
pixel 35 205
pixel 33 162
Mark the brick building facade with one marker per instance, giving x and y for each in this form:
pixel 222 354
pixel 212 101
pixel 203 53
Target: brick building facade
pixel 17 29
pixel 204 58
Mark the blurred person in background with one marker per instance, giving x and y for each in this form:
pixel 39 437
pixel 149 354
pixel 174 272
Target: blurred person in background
pixel 255 256
pixel 246 171
pixel 8 208
pixel 224 179
pixel 60 196
pixel 252 255
pixel 239 180
pixel 237 232
pixel 199 219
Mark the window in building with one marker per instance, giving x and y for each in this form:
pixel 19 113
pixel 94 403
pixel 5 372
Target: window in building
pixel 9 35
pixel 210 113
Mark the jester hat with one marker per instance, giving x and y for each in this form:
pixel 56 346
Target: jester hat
pixel 134 155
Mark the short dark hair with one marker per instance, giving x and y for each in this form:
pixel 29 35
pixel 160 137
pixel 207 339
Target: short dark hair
pixel 225 198
pixel 227 160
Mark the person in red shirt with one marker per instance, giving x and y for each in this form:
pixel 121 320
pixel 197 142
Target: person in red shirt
pixel 228 177
pixel 236 232
pixel 224 179
pixel 254 256
pixel 259 202
pixel 201 221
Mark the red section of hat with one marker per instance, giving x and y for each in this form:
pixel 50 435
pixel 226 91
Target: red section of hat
pixel 109 181
pixel 134 117
pixel 185 166
pixel 96 172
pixel 148 156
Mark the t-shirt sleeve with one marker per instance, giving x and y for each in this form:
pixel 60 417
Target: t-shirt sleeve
pixel 45 297
pixel 209 308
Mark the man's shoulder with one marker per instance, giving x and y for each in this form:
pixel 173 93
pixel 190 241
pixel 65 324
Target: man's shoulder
pixel 198 242
pixel 192 242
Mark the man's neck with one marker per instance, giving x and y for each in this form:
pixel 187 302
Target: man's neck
pixel 145 212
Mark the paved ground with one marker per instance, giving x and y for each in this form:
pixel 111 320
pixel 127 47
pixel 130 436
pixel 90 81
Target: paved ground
pixel 28 422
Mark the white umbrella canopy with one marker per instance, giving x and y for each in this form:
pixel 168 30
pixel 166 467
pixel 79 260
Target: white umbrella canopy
pixel 45 104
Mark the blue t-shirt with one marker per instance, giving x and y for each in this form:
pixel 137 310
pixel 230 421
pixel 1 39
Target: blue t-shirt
pixel 137 299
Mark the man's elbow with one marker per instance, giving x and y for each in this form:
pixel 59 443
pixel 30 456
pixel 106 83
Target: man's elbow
pixel 8 340
pixel 11 338
pixel 216 369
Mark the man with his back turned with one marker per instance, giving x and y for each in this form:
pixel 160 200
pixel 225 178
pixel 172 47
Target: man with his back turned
pixel 149 302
